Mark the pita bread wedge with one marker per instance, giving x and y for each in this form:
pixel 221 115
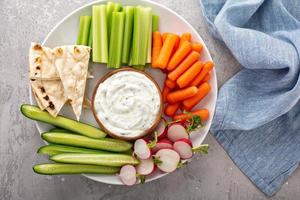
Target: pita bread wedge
pixel 50 94
pixel 41 63
pixel 72 65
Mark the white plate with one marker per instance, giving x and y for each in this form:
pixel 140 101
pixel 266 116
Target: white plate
pixel 65 33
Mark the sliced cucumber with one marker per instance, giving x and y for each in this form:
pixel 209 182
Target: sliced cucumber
pixel 56 168
pixel 60 130
pixel 107 144
pixel 33 112
pixel 53 149
pixel 115 160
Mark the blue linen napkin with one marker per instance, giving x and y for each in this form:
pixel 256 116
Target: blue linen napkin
pixel 257 118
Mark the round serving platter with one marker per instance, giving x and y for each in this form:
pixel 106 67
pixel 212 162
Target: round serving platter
pixel 65 33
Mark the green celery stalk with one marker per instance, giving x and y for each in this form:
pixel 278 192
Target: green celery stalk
pixel 128 28
pixel 100 40
pixel 84 29
pixel 116 40
pixel 142 18
pixel 136 36
pixel 109 9
pixel 146 15
pixel 155 23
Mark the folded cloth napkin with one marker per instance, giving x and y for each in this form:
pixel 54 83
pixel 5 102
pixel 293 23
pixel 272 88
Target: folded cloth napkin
pixel 257 118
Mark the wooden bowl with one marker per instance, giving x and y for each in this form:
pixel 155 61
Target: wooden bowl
pixel 114 135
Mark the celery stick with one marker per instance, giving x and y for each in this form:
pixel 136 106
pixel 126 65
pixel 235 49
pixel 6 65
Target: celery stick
pixel 100 41
pixel 146 15
pixel 109 9
pixel 84 29
pixel 142 26
pixel 116 40
pixel 136 36
pixel 128 28
pixel 155 23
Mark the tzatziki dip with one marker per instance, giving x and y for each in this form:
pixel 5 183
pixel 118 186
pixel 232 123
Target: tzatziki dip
pixel 127 103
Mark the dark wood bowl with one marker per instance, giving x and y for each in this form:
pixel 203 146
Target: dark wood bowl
pixel 114 135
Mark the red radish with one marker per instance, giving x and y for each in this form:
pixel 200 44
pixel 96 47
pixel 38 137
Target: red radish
pixel 167 160
pixel 141 149
pixel 176 132
pixel 145 167
pixel 162 129
pixel 184 148
pixel 128 175
pixel 162 144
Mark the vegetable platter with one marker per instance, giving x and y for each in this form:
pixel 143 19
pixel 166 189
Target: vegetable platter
pixel 169 75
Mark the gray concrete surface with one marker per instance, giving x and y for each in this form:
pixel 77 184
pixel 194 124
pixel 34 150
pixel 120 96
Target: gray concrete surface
pixel 208 177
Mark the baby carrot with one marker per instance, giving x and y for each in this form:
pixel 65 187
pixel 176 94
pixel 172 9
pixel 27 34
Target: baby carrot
pixel 183 94
pixel 184 49
pixel 171 109
pixel 166 51
pixel 185 37
pixel 156 46
pixel 197 46
pixel 203 90
pixel 170 84
pixel 164 36
pixel 205 70
pixel 202 113
pixel 184 65
pixel 189 74
pixel 165 93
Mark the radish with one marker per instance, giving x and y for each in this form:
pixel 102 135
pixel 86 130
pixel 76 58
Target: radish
pixel 141 149
pixel 161 129
pixel 176 132
pixel 128 175
pixel 145 167
pixel 167 160
pixel 183 147
pixel 162 144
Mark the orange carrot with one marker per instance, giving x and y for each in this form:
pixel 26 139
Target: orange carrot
pixel 205 70
pixel 165 93
pixel 166 51
pixel 156 46
pixel 206 78
pixel 171 109
pixel 203 90
pixel 170 84
pixel 202 113
pixel 185 37
pixel 183 94
pixel 184 65
pixel 197 46
pixel 179 55
pixel 189 74
pixel 164 36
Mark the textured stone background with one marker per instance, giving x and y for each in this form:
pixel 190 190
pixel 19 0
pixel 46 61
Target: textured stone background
pixel 207 177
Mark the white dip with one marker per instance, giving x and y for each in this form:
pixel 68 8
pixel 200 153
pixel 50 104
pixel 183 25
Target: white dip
pixel 127 103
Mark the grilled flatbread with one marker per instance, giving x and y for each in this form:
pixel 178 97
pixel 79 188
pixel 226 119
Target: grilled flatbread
pixel 50 95
pixel 41 63
pixel 72 65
